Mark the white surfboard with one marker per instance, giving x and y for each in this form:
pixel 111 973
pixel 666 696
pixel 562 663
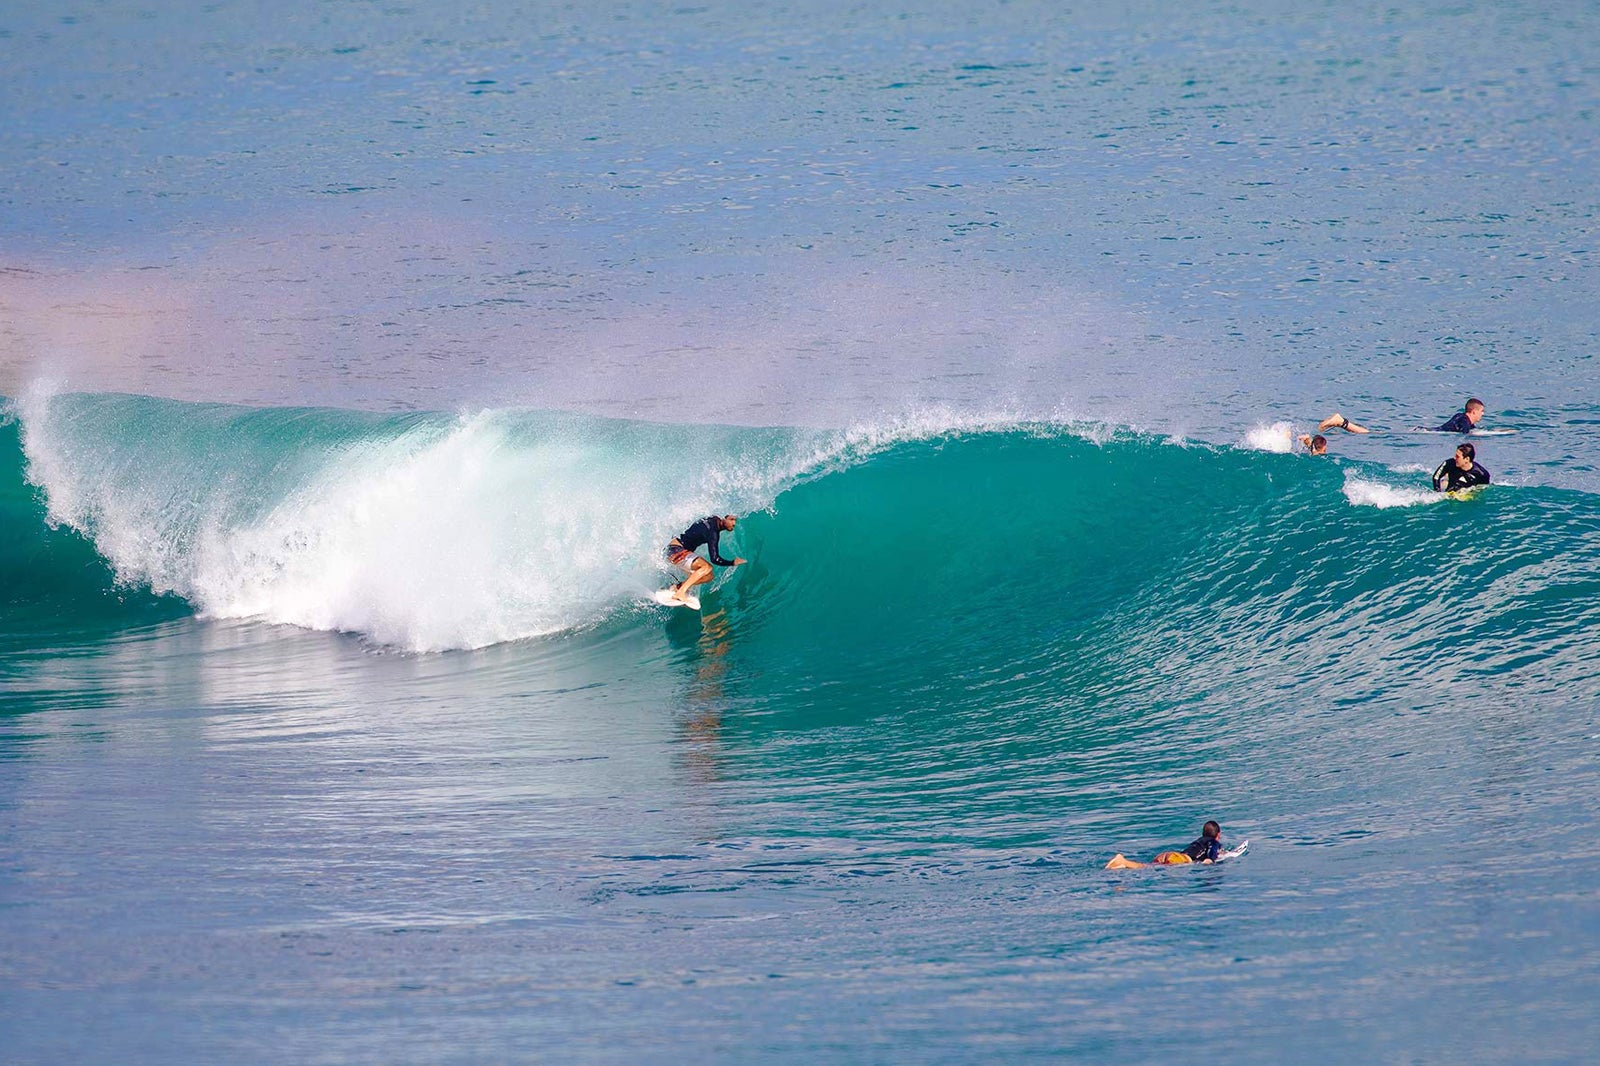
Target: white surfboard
pixel 666 599
pixel 1498 431
pixel 1234 852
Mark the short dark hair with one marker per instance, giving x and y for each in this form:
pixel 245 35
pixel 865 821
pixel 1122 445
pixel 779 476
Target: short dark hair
pixel 1473 402
pixel 1211 830
pixel 1467 450
pixel 1319 441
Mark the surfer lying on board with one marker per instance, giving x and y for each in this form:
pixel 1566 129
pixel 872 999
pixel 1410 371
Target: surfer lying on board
pixel 1464 420
pixel 680 552
pixel 1207 849
pixel 1460 471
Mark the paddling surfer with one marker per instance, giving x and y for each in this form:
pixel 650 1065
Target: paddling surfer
pixel 1318 445
pixel 1460 471
pixel 681 552
pixel 1464 420
pixel 1207 849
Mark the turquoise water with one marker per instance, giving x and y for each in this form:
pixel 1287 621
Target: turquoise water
pixel 878 774
pixel 359 359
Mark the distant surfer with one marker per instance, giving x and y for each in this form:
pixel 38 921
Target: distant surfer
pixel 1460 471
pixel 1464 420
pixel 681 553
pixel 1207 849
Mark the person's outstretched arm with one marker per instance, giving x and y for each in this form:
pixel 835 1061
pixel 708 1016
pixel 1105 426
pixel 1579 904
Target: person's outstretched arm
pixel 714 553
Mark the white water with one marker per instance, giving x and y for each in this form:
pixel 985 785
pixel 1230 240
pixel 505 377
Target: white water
pixel 1364 493
pixel 426 535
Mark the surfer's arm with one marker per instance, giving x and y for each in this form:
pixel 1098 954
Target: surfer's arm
pixel 714 554
pixel 1441 476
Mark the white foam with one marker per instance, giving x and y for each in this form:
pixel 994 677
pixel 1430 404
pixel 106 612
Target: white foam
pixel 1363 493
pixel 449 534
pixel 1278 437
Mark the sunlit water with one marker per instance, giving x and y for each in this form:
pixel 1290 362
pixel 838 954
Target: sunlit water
pixel 334 726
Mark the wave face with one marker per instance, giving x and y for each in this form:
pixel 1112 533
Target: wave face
pixel 1026 558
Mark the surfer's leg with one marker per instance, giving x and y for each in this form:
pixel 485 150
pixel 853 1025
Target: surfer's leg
pixel 699 574
pixel 1118 862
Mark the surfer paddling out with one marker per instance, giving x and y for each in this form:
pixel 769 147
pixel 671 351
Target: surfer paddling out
pixel 1207 849
pixel 1465 420
pixel 681 553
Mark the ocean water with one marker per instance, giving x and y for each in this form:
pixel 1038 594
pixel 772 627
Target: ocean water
pixel 358 359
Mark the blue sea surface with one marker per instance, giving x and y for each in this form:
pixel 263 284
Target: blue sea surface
pixel 358 360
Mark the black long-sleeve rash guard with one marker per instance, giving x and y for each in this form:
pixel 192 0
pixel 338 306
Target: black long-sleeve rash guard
pixel 707 531
pixel 1451 478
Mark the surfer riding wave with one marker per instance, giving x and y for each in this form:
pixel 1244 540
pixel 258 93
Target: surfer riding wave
pixel 706 532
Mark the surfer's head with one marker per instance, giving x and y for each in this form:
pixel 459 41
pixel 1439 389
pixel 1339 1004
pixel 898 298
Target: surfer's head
pixel 1465 454
pixel 1211 831
pixel 1319 445
pixel 1474 411
pixel 728 522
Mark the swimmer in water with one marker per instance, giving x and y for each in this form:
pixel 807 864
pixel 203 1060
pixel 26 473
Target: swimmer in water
pixel 1205 850
pixel 1318 445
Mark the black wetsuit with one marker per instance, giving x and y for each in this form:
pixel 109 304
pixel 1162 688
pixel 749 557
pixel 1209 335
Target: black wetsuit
pixel 707 531
pixel 1451 478
pixel 1203 849
pixel 1459 423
